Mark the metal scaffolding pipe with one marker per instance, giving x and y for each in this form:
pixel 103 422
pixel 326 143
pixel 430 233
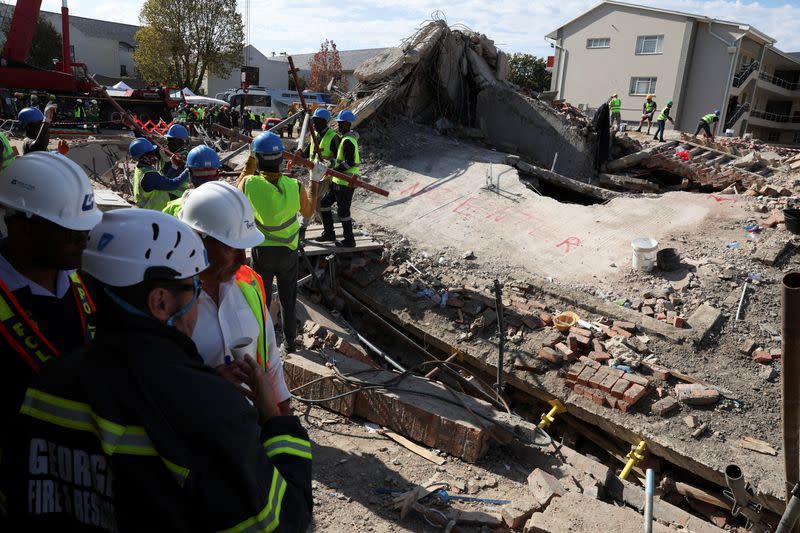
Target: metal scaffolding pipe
pixel 790 380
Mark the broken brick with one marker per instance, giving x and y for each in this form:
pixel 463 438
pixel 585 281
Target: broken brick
pixel 627 326
pixel 635 393
pixel 597 346
pixel 775 218
pixel 598 397
pixel 546 319
pixel 585 375
pixel 661 316
pixel 638 379
pixel 574 371
pixel 696 394
pixel 544 487
pixel 775 353
pixel 532 322
pixel 622 332
pixel 330 338
pixel 572 343
pixel 647 311
pixel 619 388
pixel 565 351
pixel 679 322
pixel 665 406
pixel 588 362
pixel 549 354
pixel 623 406
pixel 580 331
pixel 659 372
pixel 584 343
pixel 600 357
pixel 747 346
pixel 762 357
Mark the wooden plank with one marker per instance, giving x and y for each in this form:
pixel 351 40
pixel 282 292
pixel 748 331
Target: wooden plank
pixel 416 448
pixel 756 445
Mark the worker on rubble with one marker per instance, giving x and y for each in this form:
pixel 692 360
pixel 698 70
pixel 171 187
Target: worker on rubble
pixel 328 142
pixel 178 143
pixel 648 110
pixel 48 310
pixel 93 115
pixel 203 164
pixel 37 127
pixel 276 200
pixel 136 430
pixel 341 193
pixel 79 112
pixel 615 107
pixel 661 121
pixel 233 304
pixel 151 189
pixel 705 124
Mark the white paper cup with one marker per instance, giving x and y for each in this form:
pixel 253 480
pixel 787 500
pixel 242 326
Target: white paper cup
pixel 243 346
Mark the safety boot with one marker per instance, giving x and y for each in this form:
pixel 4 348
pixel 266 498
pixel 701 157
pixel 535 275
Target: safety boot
pixel 328 235
pixel 348 240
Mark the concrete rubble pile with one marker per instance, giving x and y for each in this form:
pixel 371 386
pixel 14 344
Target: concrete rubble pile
pixel 456 81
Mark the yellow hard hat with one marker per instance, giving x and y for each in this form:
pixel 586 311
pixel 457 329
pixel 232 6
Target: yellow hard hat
pixel 649 97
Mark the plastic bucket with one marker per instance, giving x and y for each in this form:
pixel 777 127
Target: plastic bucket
pixel 792 219
pixel 668 259
pixel 645 251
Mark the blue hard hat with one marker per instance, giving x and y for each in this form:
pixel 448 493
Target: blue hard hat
pixel 716 112
pixel 176 131
pixel 346 115
pixel 202 157
pixel 268 144
pixel 322 113
pixel 141 146
pixel 30 115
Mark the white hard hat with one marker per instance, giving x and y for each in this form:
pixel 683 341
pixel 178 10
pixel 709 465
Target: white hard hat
pixel 128 243
pixel 80 101
pixel 94 102
pixel 220 210
pixel 52 187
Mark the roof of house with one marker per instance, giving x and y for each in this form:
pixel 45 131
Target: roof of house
pixel 101 29
pixel 743 27
pixel 794 55
pixel 350 59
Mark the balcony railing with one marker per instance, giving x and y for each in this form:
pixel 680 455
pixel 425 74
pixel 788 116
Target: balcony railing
pixel 775 117
pixel 780 82
pixel 743 75
pixel 741 110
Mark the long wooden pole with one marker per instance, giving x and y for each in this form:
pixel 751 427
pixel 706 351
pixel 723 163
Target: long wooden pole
pixel 790 380
pixel 293 72
pixel 297 159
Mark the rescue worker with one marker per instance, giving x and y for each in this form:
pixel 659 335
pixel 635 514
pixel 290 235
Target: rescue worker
pixel 135 433
pixel 328 141
pixel 203 164
pixel 276 200
pixel 615 107
pixel 37 127
pixel 648 110
pixel 341 193
pixel 177 142
pixel 94 115
pixel 661 121
pixel 151 189
pixel 8 153
pixel 48 311
pixel 705 124
pixel 79 112
pixel 233 305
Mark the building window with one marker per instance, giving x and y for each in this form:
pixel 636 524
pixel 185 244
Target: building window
pixel 603 42
pixel 773 136
pixel 642 86
pixel 123 70
pixel 649 44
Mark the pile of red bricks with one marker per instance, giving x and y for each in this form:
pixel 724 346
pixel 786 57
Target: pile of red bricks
pixel 605 385
pixel 317 337
pixel 700 173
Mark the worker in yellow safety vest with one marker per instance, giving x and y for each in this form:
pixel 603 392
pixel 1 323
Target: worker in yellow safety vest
pixel 648 111
pixel 615 109
pixel 348 160
pixel 46 310
pixel 276 200
pixel 705 124
pixel 328 145
pixel 232 317
pixel 151 189
pixel 8 153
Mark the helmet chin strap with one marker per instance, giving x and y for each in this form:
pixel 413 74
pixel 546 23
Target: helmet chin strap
pixel 185 309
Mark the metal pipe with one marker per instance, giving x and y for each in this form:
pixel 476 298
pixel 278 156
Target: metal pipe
pixel 379 352
pixel 649 489
pixel 790 379
pixel 555 160
pixel 741 300
pixel 792 512
pixel 302 140
pixel 498 297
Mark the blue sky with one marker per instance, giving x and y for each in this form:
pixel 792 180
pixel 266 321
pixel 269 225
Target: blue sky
pixel 515 25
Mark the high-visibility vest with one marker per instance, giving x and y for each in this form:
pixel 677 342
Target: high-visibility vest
pixel 355 169
pixel 182 115
pixel 252 287
pixel 650 106
pixel 173 207
pixel 615 105
pixel 22 333
pixel 155 199
pixel 664 113
pixel 324 145
pixel 275 206
pixel 8 153
pixel 79 111
pixel 711 117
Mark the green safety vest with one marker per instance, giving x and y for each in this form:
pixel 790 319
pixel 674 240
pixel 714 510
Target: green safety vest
pixel 8 153
pixel 182 115
pixel 711 117
pixel 155 199
pixel 79 112
pixel 173 207
pixel 664 114
pixel 355 169
pixel 275 206
pixel 324 145
pixel 252 287
pixel 650 106
pixel 615 105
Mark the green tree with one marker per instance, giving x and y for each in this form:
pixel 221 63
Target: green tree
pixel 181 41
pixel 46 45
pixel 326 65
pixel 529 72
